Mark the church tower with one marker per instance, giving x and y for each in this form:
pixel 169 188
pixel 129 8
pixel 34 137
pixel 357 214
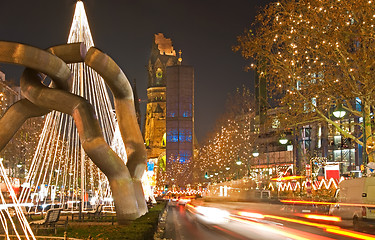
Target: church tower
pixel 162 56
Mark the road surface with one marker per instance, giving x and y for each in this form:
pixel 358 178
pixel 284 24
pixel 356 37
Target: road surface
pixel 237 220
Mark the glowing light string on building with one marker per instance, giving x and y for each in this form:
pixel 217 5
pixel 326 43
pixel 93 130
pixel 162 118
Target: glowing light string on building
pixel 60 170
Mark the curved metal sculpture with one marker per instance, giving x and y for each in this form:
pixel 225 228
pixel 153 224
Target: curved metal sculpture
pixel 127 120
pixel 125 180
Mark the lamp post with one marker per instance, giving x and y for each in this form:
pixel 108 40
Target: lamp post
pixel 238 162
pixel 255 155
pixel 19 165
pixel 227 174
pixel 364 152
pixel 283 140
pixel 340 112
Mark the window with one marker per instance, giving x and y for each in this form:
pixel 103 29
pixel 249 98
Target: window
pixel 275 123
pixel 358 103
pixel 313 101
pixel 307 132
pixel 164 141
pixel 182 135
pixel 159 76
pixel 184 156
pixel 307 144
pixel 159 73
pixel 299 85
pixel 172 135
pixel 189 137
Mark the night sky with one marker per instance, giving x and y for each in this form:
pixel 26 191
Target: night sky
pixel 205 31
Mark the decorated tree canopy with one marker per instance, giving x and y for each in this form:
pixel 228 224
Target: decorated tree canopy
pixel 316 55
pixel 232 139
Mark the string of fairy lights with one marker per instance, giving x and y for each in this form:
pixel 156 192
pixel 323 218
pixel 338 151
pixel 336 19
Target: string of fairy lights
pixel 315 56
pixel 233 141
pixel 60 170
pixel 12 218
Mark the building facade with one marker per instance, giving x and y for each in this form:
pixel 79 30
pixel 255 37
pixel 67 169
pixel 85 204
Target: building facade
pixel 169 118
pixel 8 94
pixel 19 152
pixel 180 124
pixel 162 56
pixel 309 145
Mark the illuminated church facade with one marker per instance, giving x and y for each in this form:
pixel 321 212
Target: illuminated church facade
pixel 169 118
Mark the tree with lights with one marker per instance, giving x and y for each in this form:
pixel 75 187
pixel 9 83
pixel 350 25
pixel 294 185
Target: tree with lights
pixel 231 141
pixel 20 150
pixel 317 56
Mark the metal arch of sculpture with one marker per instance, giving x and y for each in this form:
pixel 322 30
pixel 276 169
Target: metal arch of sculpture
pixel 125 180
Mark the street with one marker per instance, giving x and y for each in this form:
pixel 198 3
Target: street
pixel 240 220
pixel 181 226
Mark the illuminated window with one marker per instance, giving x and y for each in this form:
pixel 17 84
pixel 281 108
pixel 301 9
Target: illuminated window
pixel 184 156
pixel 186 114
pixel 182 135
pixel 159 76
pixel 313 101
pixel 159 73
pixel 358 103
pixel 147 142
pixel 164 141
pixel 150 166
pixel 275 123
pixel 298 85
pixel 189 136
pixel 172 135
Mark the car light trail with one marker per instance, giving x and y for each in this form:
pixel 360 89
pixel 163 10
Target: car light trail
pixel 321 217
pixel 286 232
pixel 251 214
pixel 327 203
pixel 213 215
pixel 301 222
pixel 293 233
pixel 231 233
pixel 327 228
pixel 351 234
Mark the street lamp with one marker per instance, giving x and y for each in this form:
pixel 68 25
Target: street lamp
pixel 255 153
pixel 19 165
pixel 238 162
pixel 283 140
pixel 339 111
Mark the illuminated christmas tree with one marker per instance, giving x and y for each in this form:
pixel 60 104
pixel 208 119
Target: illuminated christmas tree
pixel 60 165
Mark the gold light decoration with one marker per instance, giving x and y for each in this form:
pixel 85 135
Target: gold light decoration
pixel 320 52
